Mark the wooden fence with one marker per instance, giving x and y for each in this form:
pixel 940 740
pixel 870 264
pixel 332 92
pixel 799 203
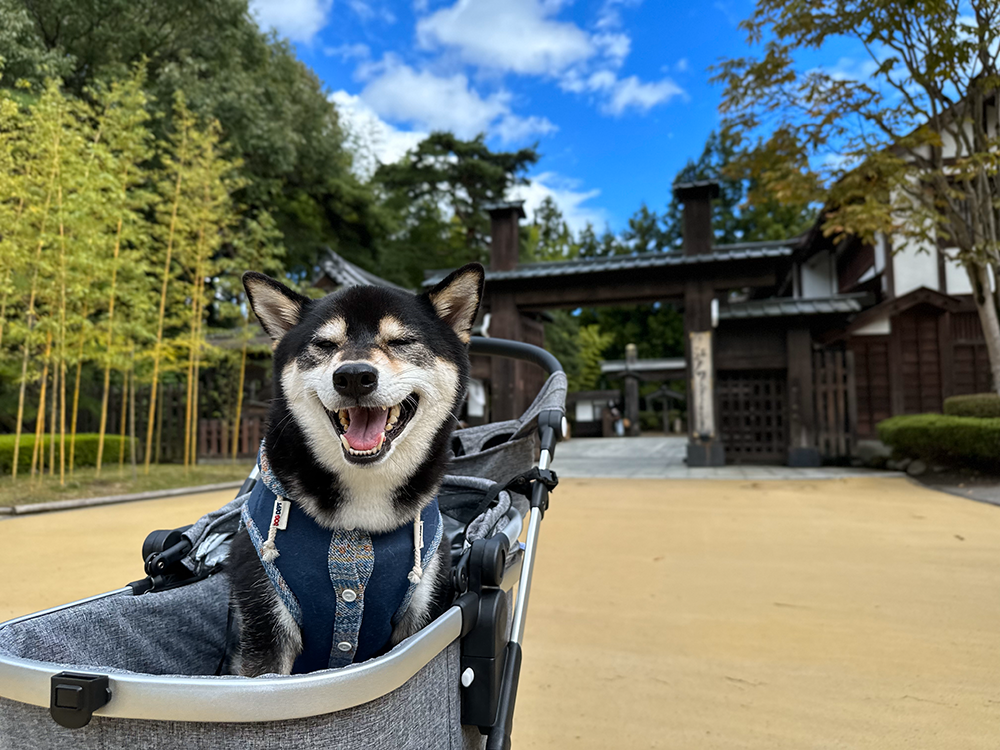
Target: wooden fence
pixel 215 439
pixel 836 406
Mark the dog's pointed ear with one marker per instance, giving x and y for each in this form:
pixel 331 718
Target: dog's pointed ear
pixel 456 299
pixel 277 307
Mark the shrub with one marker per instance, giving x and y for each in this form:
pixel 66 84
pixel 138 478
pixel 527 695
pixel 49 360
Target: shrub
pixel 86 451
pixel 983 405
pixel 944 439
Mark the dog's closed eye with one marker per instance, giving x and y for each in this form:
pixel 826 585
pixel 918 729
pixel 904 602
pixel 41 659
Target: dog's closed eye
pixel 325 344
pixel 402 342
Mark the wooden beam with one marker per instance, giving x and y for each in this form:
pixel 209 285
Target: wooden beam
pixel 617 288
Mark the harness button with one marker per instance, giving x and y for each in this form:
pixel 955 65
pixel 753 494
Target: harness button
pixel 349 595
pixel 344 646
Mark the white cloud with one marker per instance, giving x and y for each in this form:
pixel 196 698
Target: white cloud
pixel 377 142
pixel 428 101
pixel 366 11
pixel 374 141
pixel 348 51
pixel 631 93
pixel 513 128
pixel 566 194
pixel 849 69
pixel 614 46
pixel 515 35
pixel 525 37
pixel 618 95
pixel 610 16
pixel 299 20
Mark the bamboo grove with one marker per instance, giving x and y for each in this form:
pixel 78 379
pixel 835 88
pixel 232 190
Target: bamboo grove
pixel 120 256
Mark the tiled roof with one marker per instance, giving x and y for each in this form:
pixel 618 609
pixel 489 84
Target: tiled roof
pixel 344 273
pixel 780 307
pixel 721 254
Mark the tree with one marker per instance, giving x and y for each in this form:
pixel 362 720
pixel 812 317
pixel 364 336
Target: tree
pixel 439 191
pixel 644 233
pixel 274 112
pixel 916 144
pixel 592 342
pixel 734 217
pixel 548 236
pixel 127 143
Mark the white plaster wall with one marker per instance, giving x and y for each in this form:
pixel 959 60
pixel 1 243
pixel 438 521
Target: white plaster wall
pixel 880 327
pixel 956 277
pixel 914 265
pixel 819 278
pixel 879 252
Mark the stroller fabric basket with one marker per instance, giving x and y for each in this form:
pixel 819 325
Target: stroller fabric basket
pixel 140 666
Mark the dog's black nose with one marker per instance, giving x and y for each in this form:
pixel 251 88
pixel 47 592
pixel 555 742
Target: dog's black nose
pixel 355 379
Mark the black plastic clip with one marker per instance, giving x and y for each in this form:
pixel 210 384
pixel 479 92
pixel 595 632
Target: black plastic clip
pixel 530 485
pixel 76 696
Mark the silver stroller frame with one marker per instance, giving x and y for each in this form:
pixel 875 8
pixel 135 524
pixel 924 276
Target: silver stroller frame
pixel 470 655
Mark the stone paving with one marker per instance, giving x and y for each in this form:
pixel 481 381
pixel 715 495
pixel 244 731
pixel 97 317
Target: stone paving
pixel 663 458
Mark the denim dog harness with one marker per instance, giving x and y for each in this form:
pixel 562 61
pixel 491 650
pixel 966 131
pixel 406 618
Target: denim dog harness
pixel 345 588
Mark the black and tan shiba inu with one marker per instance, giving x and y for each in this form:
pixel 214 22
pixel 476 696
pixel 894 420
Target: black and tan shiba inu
pixel 338 555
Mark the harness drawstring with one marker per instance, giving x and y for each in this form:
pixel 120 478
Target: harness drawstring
pixel 417 572
pixel 268 550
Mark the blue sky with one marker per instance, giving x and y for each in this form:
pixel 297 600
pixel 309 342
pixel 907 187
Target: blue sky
pixel 615 92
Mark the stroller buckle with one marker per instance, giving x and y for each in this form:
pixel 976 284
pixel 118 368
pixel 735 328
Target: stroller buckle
pixel 75 696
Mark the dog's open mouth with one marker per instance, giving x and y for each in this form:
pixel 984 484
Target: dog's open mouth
pixel 366 432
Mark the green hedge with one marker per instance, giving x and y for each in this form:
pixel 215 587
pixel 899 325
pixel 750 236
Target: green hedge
pixel 86 451
pixel 944 439
pixel 983 405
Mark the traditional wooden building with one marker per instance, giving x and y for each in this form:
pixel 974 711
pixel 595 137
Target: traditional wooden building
pixel 797 349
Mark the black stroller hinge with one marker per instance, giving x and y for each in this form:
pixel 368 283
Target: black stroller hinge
pixel 162 552
pixel 482 660
pixel 486 613
pixel 75 696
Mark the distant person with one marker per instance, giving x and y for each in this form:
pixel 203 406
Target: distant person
pixel 617 421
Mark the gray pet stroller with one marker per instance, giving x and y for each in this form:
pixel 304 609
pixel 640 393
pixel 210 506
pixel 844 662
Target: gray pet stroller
pixel 139 667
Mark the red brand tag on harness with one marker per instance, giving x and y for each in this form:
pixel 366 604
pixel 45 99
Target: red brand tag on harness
pixel 279 517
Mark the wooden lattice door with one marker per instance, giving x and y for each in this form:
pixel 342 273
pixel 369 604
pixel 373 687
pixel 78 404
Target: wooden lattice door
pixel 836 405
pixel 752 415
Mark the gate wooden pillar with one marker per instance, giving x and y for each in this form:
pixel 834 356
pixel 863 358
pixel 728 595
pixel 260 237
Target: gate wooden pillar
pixel 705 447
pixel 802 448
pixel 507 382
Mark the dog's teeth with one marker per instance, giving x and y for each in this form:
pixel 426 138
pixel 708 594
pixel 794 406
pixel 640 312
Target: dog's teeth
pixel 381 441
pixel 345 418
pixel 343 439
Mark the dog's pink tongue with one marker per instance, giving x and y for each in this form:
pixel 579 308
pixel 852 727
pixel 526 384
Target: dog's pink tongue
pixel 367 426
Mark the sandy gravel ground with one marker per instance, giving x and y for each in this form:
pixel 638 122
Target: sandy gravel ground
pixel 854 613
pixel 848 613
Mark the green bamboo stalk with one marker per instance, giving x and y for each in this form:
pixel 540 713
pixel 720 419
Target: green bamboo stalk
pixel 31 305
pixel 163 301
pixel 40 418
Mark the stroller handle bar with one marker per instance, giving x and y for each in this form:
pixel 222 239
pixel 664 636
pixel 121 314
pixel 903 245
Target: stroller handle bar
pixel 515 350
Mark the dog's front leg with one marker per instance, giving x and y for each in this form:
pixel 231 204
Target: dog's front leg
pixel 431 596
pixel 269 638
